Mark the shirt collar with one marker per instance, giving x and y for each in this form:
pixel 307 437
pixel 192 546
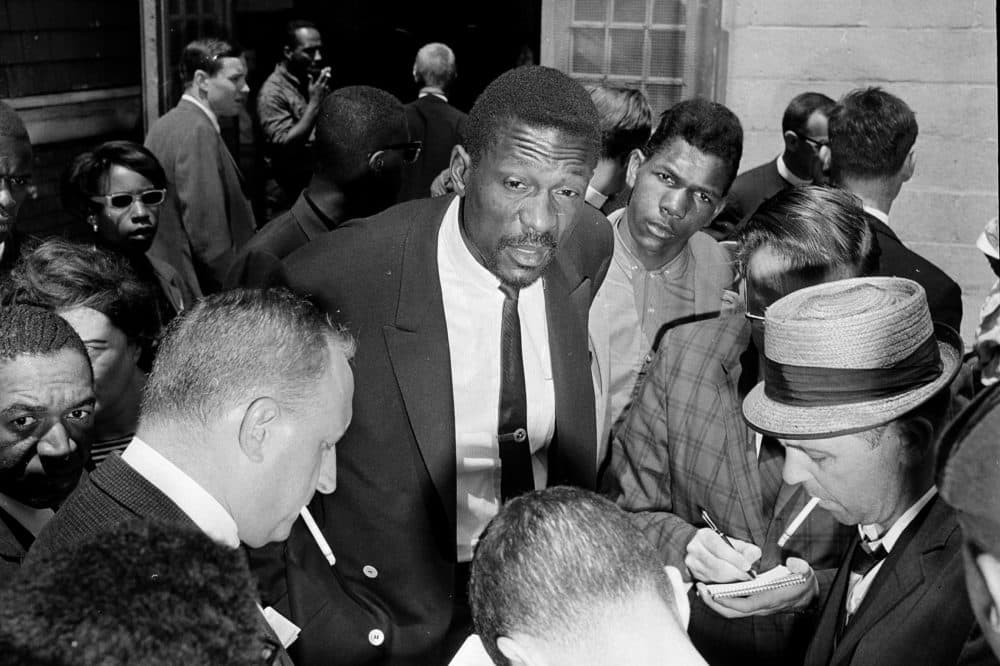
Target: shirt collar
pixel 203 509
pixel 29 517
pixel 208 112
pixel 628 262
pixel 785 173
pixel 877 214
pixel 282 69
pixel 432 90
pixel 870 534
pixel 459 255
pixel 595 198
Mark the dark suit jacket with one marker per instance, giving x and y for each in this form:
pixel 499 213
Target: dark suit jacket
pixel 439 125
pixel 750 189
pixel 115 493
pixel 391 522
pixel 916 611
pixel 206 217
pixel 944 296
pixel 277 239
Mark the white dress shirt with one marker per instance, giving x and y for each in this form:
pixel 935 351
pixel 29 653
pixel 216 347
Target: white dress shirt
pixel 877 214
pixel 203 509
pixel 595 198
pixel 473 307
pixel 208 112
pixel 859 585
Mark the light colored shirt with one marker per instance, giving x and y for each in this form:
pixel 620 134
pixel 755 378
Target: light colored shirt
pixel 432 90
pixel 203 509
pixel 473 307
pixel 29 517
pixel 633 304
pixel 876 213
pixel 785 173
pixel 208 112
pixel 595 198
pixel 859 585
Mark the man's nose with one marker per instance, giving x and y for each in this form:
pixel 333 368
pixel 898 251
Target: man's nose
pixel 675 202
pixel 56 443
pixel 540 214
pixel 794 471
pixel 6 195
pixel 318 56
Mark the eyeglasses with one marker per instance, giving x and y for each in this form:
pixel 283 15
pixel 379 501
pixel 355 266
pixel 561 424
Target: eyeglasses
pixel 126 199
pixel 410 150
pixel 746 304
pixel 816 144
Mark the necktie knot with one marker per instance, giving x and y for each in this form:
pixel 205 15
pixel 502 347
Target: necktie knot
pixel 510 291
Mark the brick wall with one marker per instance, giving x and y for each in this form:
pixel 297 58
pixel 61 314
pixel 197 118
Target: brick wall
pixel 940 57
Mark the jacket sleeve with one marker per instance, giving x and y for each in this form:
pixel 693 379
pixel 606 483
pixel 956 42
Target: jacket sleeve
pixel 204 201
pixel 638 476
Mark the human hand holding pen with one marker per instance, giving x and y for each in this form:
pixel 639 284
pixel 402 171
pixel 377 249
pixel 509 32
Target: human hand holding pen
pixel 714 558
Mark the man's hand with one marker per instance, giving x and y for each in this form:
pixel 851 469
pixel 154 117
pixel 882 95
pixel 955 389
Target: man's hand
pixel 769 602
pixel 709 559
pixel 319 86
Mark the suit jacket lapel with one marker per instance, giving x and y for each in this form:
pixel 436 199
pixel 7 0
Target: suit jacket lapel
pixel 417 345
pixel 567 302
pixel 900 575
pixel 821 648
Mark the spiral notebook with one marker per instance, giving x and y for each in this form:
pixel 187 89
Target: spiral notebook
pixel 776 578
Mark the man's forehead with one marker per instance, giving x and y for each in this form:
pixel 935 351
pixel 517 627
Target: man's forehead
pixel 15 155
pixel 308 37
pixel 519 141
pixel 817 125
pixel 232 67
pixel 689 160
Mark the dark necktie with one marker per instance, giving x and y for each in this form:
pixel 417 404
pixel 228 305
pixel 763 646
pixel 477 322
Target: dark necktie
pixel 863 560
pixel 515 453
pixel 769 466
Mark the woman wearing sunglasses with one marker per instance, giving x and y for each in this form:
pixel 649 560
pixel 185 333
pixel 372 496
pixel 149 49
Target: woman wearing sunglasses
pixel 116 190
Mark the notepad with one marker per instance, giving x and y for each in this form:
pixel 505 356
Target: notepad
pixel 777 577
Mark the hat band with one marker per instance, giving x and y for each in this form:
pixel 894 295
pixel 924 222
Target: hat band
pixel 807 386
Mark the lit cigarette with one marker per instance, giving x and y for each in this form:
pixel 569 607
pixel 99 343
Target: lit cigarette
pixel 799 519
pixel 317 536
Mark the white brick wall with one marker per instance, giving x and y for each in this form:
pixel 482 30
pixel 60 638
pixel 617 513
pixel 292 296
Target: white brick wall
pixel 939 56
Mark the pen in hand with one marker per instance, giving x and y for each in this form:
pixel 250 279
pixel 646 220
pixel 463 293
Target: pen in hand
pixel 715 528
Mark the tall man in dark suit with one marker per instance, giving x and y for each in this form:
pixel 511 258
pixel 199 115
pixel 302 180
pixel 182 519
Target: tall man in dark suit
pixel 206 217
pixel 804 132
pixel 47 406
pixel 431 119
pixel 460 304
pixel 871 155
pixel 855 388
pixel 15 179
pixel 248 396
pixel 359 153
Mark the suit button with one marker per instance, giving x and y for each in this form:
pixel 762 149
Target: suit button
pixel 520 435
pixel 370 571
pixel 376 637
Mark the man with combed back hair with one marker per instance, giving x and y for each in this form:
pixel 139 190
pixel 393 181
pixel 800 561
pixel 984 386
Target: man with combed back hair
pixel 249 394
pixel 682 447
pixel 15 179
pixel 358 156
pixel 626 121
pixel 561 577
pixel 872 154
pixel 431 119
pixel 46 421
pixel 473 373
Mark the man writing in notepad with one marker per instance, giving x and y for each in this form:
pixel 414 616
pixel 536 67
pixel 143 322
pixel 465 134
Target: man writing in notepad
pixel 684 447
pixel 855 388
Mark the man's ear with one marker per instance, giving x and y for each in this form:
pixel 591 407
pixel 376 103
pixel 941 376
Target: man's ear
pixel 515 651
pixel 286 51
pixel 256 426
pixel 635 160
pixel 376 162
pixel 910 164
pixel 791 141
pixel 461 169
pixel 201 77
pixel 718 209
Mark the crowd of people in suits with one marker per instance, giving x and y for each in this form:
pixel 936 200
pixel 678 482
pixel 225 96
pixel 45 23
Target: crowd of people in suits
pixel 524 386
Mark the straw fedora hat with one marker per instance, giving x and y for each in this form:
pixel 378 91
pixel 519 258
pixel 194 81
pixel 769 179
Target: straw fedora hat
pixel 848 356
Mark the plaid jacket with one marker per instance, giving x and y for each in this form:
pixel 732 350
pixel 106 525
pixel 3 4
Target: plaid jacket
pixel 684 446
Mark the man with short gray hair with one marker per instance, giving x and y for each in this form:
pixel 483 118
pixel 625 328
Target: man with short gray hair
pixel 431 119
